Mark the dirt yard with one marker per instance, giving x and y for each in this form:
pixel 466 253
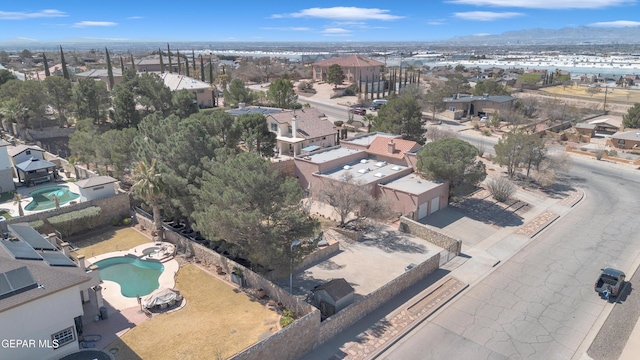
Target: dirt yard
pixel 109 239
pixel 618 100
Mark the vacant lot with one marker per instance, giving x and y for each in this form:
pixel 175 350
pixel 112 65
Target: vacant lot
pixel 216 323
pixel 111 239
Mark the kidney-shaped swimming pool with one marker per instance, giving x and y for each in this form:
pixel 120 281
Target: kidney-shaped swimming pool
pixel 136 277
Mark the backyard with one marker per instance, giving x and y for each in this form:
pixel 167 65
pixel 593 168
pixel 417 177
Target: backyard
pixel 217 322
pixel 108 240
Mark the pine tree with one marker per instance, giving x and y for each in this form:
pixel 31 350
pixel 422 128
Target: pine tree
pixel 161 62
pixel 46 65
pixel 186 60
pixel 366 88
pixel 193 60
pixel 109 70
pixel 378 89
pixel 169 55
pixel 210 72
pixel 179 66
pixel 133 64
pixel 201 68
pixel 121 65
pixel 65 71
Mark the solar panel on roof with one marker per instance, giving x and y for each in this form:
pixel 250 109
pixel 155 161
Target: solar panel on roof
pixel 31 236
pixel 20 250
pixel 57 259
pixel 16 281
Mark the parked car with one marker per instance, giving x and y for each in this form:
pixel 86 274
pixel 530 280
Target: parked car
pixel 377 104
pixel 358 110
pixel 610 283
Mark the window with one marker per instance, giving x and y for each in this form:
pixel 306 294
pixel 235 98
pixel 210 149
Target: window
pixel 98 188
pixel 452 108
pixel 274 127
pixel 64 337
pixel 28 152
pixel 621 142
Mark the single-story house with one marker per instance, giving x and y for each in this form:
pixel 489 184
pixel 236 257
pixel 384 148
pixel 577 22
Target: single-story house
pixel 461 106
pixel 41 296
pixel 626 139
pixel 333 296
pixel 103 75
pixel 97 187
pixel 355 68
pixel 152 64
pixel 203 91
pixel 586 129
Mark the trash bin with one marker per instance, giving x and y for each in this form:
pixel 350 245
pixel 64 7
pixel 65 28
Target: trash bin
pixel 103 313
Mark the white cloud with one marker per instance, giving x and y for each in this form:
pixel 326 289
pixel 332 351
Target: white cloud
pixel 546 4
pixel 481 34
pixel 336 32
pixel 436 22
pixel 343 13
pixel 486 15
pixel 135 17
pixel 83 24
pixel 20 15
pixel 287 28
pixel 616 24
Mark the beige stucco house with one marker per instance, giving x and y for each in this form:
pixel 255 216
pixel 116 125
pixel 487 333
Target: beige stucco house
pixel 626 139
pixel 463 106
pixel 202 90
pixel 355 68
pixel 301 131
pixel 103 75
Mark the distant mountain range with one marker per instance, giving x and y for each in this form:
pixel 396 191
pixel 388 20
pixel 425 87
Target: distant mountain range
pixel 564 36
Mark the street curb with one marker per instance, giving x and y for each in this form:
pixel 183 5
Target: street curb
pixel 397 337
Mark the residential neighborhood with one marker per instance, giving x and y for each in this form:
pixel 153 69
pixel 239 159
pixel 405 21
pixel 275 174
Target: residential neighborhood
pixel 182 204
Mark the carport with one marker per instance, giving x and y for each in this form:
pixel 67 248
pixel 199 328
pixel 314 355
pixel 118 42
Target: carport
pixel 35 171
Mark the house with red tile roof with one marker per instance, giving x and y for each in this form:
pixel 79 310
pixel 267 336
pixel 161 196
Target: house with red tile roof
pixel 385 163
pixel 355 68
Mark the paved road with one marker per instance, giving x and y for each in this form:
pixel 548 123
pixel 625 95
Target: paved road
pixel 540 304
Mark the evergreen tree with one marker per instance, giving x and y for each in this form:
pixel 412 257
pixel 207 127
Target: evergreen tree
pixel 201 68
pixel 46 65
pixel 133 64
pixel 186 60
pixel 109 70
pixel 169 55
pixel 161 62
pixel 178 62
pixel 193 60
pixel 65 71
pixel 121 65
pixel 210 72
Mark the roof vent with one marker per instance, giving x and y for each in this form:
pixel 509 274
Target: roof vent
pixel 363 171
pixel 347 167
pixel 381 163
pixel 379 175
pixel 396 168
pixel 364 161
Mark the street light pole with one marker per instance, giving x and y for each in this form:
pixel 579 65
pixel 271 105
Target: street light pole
pixel 293 243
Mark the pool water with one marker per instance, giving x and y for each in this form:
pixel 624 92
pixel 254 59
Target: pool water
pixel 136 277
pixel 43 199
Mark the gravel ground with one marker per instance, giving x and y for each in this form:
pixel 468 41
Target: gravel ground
pixel 615 332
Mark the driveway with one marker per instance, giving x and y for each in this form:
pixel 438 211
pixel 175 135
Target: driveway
pixel 381 256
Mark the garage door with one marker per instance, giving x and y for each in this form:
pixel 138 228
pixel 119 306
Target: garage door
pixel 435 205
pixel 422 210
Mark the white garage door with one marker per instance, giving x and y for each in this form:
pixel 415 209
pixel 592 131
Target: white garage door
pixel 435 205
pixel 422 210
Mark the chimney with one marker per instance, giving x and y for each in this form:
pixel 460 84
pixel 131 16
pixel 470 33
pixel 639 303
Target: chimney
pixel 81 263
pixel 391 147
pixel 65 248
pixel 294 127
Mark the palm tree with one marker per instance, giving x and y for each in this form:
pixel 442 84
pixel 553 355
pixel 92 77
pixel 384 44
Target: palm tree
pixel 17 198
pixel 13 111
pixel 148 186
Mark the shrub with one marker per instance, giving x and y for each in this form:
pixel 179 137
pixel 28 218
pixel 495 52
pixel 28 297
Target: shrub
pixel 126 221
pixel 338 123
pixel 476 126
pixel 500 188
pixel 285 321
pixel 115 221
pixel 612 153
pixel 599 154
pixel 288 313
pixel 486 132
pixel 75 221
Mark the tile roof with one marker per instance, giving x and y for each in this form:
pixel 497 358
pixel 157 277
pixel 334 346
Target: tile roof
pixel 34 164
pixel 20 148
pixel 351 61
pixel 95 73
pixel 336 288
pixel 310 122
pixel 49 279
pixel 627 135
pixel 380 146
pixel 95 181
pixel 177 82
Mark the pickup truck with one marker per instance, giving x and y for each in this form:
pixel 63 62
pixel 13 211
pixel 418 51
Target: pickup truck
pixel 610 283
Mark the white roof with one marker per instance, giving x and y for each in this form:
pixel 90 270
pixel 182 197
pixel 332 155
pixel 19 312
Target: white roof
pixel 177 82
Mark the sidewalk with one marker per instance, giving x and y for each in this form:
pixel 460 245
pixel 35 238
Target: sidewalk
pixel 379 330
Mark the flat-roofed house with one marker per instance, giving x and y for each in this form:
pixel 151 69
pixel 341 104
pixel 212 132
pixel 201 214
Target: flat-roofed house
pixel 355 68
pixel 97 187
pixel 459 107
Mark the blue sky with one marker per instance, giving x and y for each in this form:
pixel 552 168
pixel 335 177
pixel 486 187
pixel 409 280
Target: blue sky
pixel 284 20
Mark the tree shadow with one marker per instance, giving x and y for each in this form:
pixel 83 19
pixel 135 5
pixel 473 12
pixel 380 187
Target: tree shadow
pixel 390 240
pixel 492 213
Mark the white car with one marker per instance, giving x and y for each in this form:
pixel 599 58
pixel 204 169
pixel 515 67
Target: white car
pixel 484 118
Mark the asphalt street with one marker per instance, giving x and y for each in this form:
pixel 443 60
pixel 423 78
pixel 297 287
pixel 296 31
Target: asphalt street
pixel 540 304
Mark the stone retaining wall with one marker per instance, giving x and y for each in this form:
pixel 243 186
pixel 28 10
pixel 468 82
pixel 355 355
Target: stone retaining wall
pixel 356 311
pixel 430 234
pixel 49 133
pixel 320 254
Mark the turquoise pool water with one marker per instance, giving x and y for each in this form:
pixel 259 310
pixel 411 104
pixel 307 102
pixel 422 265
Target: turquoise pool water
pixel 43 199
pixel 136 277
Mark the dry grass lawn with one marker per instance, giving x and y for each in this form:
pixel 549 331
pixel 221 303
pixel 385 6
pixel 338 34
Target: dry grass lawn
pixel 613 94
pixel 216 323
pixel 112 239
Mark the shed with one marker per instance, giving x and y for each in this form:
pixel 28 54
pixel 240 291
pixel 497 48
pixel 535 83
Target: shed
pixel 333 296
pixel 96 187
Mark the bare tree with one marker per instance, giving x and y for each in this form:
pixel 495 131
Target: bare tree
pixel 352 201
pixel 435 133
pixel 546 173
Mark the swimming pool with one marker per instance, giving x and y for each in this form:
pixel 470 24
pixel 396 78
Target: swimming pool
pixel 43 199
pixel 136 277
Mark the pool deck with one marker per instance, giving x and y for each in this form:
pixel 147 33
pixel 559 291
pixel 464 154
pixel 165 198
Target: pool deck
pixel 111 290
pixel 25 191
